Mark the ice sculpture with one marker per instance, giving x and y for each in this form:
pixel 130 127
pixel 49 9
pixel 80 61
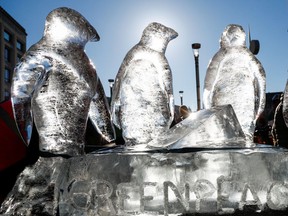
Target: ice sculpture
pixel 212 182
pixel 142 102
pixel 235 76
pixel 216 127
pixel 117 181
pixel 56 85
pixel 285 104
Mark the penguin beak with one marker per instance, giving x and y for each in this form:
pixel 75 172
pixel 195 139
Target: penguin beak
pixel 94 36
pixel 174 34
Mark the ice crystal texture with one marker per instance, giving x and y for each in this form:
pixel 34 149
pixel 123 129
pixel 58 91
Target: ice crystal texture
pixel 216 127
pixel 214 182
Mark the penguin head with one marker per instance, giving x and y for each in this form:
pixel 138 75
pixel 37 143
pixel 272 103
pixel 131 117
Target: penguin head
pixel 157 36
pixel 67 25
pixel 233 36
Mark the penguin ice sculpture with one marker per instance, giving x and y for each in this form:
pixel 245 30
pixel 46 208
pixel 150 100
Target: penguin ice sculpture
pixel 235 76
pixel 56 85
pixel 142 102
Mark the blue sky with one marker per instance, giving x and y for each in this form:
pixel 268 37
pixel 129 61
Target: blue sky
pixel 120 24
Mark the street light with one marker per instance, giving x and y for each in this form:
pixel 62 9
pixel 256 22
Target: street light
pixel 181 97
pixel 111 83
pixel 196 47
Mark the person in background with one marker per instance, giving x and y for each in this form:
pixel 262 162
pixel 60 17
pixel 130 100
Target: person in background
pixel 262 134
pixel 184 112
pixel 279 128
pixel 275 102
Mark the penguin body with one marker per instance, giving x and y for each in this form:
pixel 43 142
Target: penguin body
pixel 142 102
pixel 56 85
pixel 235 76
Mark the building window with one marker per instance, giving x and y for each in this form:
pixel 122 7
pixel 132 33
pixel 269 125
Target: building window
pixel 18 58
pixel 7 75
pixel 7 54
pixel 7 95
pixel 20 46
pixel 7 36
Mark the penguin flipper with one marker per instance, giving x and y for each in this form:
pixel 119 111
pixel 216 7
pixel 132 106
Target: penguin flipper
pixel 210 78
pixel 259 72
pixel 28 78
pixel 100 116
pixel 115 100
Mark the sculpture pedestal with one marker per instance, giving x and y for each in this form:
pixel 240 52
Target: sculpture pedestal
pixel 233 181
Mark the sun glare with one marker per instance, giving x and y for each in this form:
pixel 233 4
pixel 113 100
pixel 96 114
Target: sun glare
pixel 60 31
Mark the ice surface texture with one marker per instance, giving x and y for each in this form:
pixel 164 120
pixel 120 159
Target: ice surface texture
pixel 216 127
pixel 56 85
pixel 243 181
pixel 35 191
pixel 142 102
pixel 235 76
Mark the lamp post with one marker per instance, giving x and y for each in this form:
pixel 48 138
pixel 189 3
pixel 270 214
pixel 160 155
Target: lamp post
pixel 196 47
pixel 181 97
pixel 111 83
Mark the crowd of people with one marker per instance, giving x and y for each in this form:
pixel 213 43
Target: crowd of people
pixel 272 129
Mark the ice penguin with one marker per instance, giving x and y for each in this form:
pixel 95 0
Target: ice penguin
pixel 235 76
pixel 56 85
pixel 142 102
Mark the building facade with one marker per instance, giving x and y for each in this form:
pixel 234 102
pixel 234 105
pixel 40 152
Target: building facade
pixel 12 47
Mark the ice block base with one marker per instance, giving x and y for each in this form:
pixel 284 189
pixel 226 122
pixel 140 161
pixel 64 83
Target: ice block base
pixel 202 182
